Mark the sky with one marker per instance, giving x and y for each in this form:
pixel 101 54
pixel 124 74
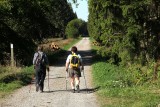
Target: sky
pixel 81 10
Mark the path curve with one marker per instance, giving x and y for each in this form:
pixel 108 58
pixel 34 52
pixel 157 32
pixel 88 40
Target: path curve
pixel 57 95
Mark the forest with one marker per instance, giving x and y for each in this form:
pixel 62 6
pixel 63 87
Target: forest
pixel 128 30
pixel 128 36
pixel 25 23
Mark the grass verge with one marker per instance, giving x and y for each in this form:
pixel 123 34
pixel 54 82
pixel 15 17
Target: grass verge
pixel 114 92
pixel 13 78
pixel 123 87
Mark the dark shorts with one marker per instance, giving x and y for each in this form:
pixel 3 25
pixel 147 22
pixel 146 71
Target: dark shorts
pixel 74 72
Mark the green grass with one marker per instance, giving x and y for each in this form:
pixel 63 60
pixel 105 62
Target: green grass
pixel 115 91
pixel 13 78
pixel 66 47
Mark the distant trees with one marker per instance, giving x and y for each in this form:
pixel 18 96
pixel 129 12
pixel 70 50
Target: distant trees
pixel 24 22
pixel 128 30
pixel 75 28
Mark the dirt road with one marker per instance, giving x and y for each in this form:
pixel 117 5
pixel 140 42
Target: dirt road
pixel 56 94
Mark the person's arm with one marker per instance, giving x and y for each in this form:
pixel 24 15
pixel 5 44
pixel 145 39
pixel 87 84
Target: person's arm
pixel 34 59
pixel 67 63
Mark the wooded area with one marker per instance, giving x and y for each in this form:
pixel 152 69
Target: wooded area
pixel 27 22
pixel 128 30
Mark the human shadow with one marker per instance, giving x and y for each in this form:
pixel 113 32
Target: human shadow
pixel 89 90
pixel 82 91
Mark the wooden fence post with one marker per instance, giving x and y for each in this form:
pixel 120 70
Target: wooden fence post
pixel 12 55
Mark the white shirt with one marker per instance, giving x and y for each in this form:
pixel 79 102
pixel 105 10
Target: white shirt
pixel 69 58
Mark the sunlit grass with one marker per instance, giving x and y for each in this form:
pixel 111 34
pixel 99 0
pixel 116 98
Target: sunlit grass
pixel 115 92
pixel 12 78
pixel 66 47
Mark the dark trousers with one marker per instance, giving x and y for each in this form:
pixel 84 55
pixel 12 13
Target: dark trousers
pixel 40 76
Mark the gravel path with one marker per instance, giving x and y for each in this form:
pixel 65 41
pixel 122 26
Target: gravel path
pixel 56 94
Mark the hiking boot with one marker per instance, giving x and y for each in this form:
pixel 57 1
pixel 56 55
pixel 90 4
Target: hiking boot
pixel 78 90
pixel 41 88
pixel 37 87
pixel 73 90
pixel 41 91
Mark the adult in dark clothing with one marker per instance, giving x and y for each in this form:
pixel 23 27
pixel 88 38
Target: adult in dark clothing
pixel 40 62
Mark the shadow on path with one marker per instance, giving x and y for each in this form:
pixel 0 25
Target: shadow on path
pixel 82 91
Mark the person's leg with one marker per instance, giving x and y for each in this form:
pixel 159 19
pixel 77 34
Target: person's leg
pixel 37 79
pixel 72 82
pixel 77 79
pixel 71 75
pixel 43 75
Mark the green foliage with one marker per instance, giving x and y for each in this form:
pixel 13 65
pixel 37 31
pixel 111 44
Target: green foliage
pixel 128 33
pixel 111 76
pixel 75 28
pixel 28 23
pixel 74 41
pixel 132 97
pixel 12 78
pixel 10 74
pixel 125 87
pixel 10 86
pixel 126 29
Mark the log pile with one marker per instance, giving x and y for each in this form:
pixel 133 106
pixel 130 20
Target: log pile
pixel 96 43
pixel 54 46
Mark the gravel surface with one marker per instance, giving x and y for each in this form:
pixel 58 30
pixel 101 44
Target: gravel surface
pixel 56 94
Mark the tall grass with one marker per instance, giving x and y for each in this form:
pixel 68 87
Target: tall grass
pixel 12 78
pixel 119 88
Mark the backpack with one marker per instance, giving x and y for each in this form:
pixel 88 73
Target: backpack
pixel 74 61
pixel 40 60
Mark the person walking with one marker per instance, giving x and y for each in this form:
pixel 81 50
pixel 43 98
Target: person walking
pixel 40 62
pixel 73 64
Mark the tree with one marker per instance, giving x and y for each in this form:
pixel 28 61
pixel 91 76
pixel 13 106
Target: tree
pixel 127 29
pixel 29 22
pixel 75 28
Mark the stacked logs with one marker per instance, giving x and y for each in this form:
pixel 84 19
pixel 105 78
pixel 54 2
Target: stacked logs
pixel 54 46
pixel 96 43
